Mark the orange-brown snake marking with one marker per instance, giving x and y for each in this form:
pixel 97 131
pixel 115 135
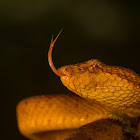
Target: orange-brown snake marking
pixel 102 88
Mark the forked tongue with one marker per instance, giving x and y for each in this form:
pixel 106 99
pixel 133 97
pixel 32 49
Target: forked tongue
pixel 50 57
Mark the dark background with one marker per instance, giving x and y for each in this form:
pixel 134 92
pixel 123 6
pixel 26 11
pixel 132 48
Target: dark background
pixel 104 30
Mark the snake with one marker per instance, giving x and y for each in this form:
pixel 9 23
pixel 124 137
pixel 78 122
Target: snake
pixel 98 88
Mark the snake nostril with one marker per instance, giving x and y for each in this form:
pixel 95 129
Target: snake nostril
pixel 81 71
pixel 66 68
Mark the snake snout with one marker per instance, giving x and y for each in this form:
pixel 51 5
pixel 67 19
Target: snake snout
pixel 66 70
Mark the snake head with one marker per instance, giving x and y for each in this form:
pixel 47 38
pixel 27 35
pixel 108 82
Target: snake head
pixel 115 87
pixel 81 77
pixel 76 77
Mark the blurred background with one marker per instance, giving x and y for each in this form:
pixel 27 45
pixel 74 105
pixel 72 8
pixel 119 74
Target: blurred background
pixel 104 30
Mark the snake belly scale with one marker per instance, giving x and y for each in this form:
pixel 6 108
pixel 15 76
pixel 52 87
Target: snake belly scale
pixel 102 88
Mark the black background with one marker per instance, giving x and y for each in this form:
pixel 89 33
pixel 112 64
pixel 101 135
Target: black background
pixel 104 30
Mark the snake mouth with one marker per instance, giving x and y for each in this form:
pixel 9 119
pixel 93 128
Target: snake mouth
pixel 50 57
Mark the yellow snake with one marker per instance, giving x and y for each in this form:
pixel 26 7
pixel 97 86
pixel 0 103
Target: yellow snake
pixel 104 88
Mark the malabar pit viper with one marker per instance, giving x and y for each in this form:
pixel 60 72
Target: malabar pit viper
pixel 102 88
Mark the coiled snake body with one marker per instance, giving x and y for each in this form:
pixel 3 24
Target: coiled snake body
pixel 104 88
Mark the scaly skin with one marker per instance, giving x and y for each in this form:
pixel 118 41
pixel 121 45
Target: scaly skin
pixel 116 88
pixel 104 89
pixel 53 117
